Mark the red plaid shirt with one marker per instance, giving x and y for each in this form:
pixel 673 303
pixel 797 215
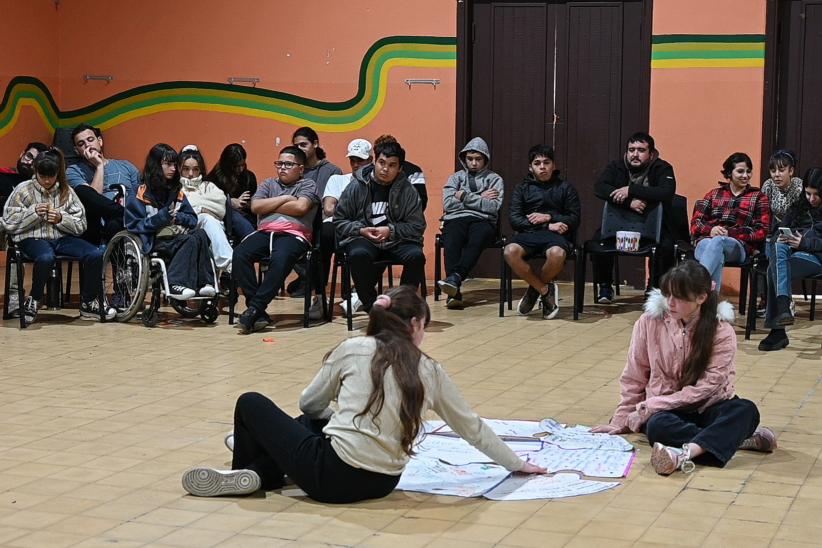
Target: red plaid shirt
pixel 747 216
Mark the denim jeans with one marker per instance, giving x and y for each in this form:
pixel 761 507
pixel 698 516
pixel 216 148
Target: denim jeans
pixel 785 264
pixel 713 253
pixel 43 252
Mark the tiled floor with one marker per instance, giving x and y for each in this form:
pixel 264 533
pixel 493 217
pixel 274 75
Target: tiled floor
pixel 97 423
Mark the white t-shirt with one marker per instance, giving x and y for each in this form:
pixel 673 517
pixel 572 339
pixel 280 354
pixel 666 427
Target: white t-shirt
pixel 334 189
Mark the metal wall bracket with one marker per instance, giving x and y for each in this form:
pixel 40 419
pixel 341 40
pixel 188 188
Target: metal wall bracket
pixel 253 80
pixel 105 77
pixel 416 81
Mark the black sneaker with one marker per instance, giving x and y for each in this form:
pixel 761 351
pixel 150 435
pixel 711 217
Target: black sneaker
pixel 783 311
pixel 549 301
pixel 30 310
pixel 181 293
pixel 455 302
pixel 606 294
pixel 253 320
pixel 90 310
pixel 528 301
pixel 777 339
pixel 451 285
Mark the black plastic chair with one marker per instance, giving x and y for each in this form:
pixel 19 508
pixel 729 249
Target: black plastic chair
pixel 614 219
pixel 341 263
pixel 499 243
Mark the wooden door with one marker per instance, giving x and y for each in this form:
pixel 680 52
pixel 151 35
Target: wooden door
pixel 574 75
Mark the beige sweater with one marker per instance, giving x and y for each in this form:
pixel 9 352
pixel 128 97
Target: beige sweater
pixel 345 377
pixel 204 195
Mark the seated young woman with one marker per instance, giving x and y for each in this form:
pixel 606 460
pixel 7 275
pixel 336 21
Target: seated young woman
pixel 45 218
pixel 208 202
pixel 162 217
pixel 382 384
pixel 678 384
pixel 232 176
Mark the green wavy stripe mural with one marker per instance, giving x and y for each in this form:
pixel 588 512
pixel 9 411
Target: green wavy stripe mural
pixel 708 50
pixel 406 51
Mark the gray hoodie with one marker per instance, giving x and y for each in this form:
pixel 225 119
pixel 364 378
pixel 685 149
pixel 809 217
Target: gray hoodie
pixel 320 174
pixel 472 204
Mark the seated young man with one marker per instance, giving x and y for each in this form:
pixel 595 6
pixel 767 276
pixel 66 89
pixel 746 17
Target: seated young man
pixel 379 217
pixel 638 181
pixel 94 179
pixel 471 200
pixel 286 207
pixel 545 212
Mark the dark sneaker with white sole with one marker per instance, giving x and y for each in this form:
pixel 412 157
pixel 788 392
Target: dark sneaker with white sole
pixel 90 310
pixel 253 320
pixel 30 310
pixel 455 302
pixel 549 301
pixel 528 301
pixel 208 482
pixel 450 285
pixel 605 294
pixel 181 293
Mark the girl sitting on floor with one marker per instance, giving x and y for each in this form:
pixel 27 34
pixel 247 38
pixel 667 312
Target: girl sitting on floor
pixel 383 384
pixel 678 384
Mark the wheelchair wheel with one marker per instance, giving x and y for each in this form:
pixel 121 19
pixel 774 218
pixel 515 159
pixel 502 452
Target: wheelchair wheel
pixel 209 312
pixel 188 309
pixel 125 275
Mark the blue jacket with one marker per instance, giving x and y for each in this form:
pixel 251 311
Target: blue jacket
pixel 145 215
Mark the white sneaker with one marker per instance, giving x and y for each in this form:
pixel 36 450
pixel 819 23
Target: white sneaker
pixel 208 482
pixel 207 290
pixel 229 441
pixel 356 303
pixel 13 310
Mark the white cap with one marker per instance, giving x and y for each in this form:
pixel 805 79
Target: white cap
pixel 359 148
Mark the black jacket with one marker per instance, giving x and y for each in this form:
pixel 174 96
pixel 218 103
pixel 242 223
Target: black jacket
pixel 661 188
pixel 405 218
pixel 556 197
pixel 808 221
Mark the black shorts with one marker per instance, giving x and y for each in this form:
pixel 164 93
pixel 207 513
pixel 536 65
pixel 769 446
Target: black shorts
pixel 536 243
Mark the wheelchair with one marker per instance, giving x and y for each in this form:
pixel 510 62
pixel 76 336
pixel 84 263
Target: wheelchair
pixel 127 275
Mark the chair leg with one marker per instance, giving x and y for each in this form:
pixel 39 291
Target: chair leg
pixel 805 289
pixel 437 268
pixel 390 277
pixel 346 283
pixel 813 300
pixel 333 288
pixel 20 292
pixel 617 277
pixel 233 296
pixel 750 319
pixel 308 289
pixel 67 294
pixel 743 290
pixel 503 283
pixel 576 289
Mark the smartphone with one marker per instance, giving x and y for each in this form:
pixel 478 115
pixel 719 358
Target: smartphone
pixel 785 231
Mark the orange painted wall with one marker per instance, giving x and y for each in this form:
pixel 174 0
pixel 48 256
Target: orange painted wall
pixel 313 52
pixel 699 116
pixel 28 46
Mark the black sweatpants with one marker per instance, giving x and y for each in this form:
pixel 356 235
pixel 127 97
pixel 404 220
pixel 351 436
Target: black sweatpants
pixel 285 250
pixel 718 430
pixel 98 209
pixel 464 239
pixel 362 254
pixel 188 259
pixel 271 443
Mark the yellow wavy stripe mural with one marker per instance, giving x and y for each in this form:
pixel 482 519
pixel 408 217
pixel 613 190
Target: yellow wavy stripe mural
pixel 385 54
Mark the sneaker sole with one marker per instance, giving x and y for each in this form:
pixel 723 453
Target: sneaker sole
pixel 603 300
pixel 182 296
pixel 661 461
pixel 551 315
pixel 93 316
pixel 229 441
pixel 448 289
pixel 207 482
pixel 454 305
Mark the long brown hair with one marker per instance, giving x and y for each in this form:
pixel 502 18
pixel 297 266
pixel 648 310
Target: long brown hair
pixel 390 325
pixel 52 163
pixel 687 281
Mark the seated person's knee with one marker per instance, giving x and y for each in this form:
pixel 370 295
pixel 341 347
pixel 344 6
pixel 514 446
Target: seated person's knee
pixel 513 251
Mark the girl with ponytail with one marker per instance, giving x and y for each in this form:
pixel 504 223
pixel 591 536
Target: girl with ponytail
pixel 382 384
pixel 678 384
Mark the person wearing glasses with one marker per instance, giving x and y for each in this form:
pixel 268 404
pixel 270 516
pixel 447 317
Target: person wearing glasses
pixel 379 217
pixel 286 206
pixel 95 180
